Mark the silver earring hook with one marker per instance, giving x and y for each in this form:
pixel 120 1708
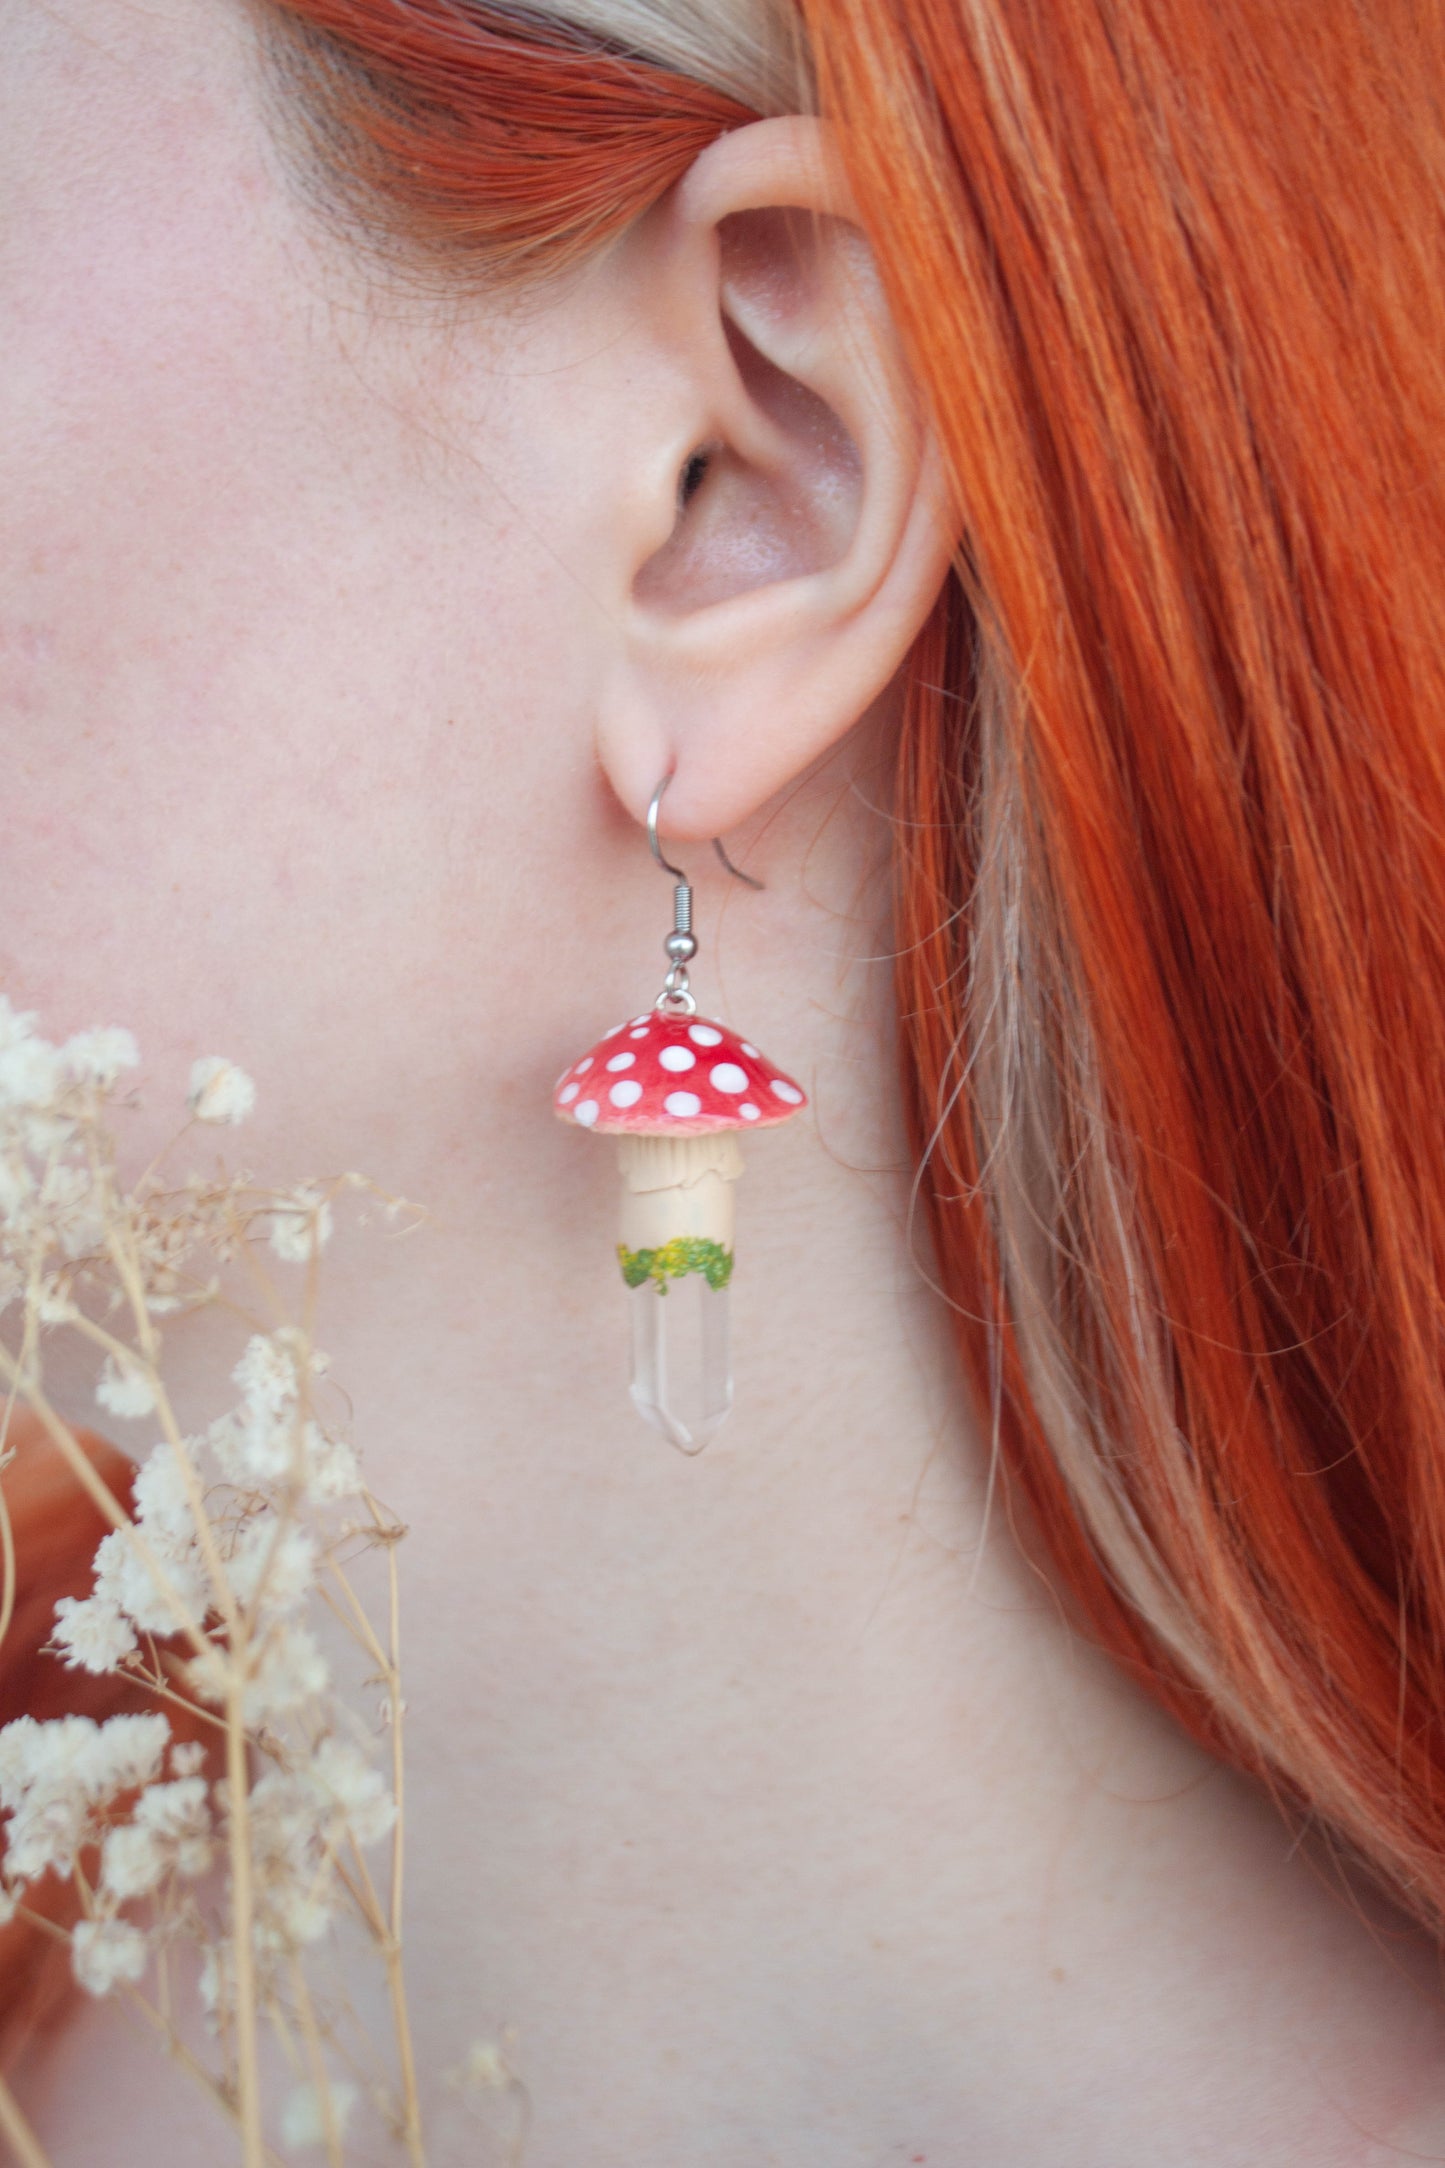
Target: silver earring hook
pixel 676 998
pixel 666 863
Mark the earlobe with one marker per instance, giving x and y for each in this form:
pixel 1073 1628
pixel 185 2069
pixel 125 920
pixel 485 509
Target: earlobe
pixel 809 526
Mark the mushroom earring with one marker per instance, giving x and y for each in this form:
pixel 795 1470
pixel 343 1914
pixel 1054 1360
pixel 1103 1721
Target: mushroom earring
pixel 675 1089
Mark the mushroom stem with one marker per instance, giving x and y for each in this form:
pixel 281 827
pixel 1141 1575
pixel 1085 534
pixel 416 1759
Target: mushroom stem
pixel 678 1186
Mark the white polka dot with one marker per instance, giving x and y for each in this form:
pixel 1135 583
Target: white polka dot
pixel 748 1111
pixel 570 1093
pixel 704 1035
pixel 586 1113
pixel 584 1063
pixel 748 1049
pixel 789 1092
pixel 638 1034
pixel 641 1019
pixel 627 1093
pixel 677 1058
pixel 612 1034
pixel 682 1104
pixel 621 1061
pixel 728 1077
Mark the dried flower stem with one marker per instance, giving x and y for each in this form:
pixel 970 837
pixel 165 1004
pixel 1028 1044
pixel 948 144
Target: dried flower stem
pixel 388 1930
pixel 238 1823
pixel 100 1494
pixel 394 1975
pixel 7 1560
pixel 220 1546
pixel 194 2068
pixel 311 2036
pixel 28 2151
pixel 122 1257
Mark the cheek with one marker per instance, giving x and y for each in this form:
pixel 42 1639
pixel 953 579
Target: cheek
pixel 276 690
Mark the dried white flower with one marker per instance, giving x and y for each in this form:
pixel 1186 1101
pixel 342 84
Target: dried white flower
pixel 124 1387
pixel 298 1222
pixel 484 2069
pixel 123 1578
pixel 303 2118
pixel 284 1671
pixel 332 1468
pixel 296 1891
pixel 99 1056
pixel 278 1560
pixel 53 1307
pixel 217 1983
pixel 219 1091
pixel 104 1951
pixel 161 1505
pixel 132 1861
pixel 70 1208
pixel 32 1073
pixel 225 1517
pixel 93 1633
pixel 341 1773
pixel 291 1670
pixel 169 1832
pixel 56 1774
pixel 266 1440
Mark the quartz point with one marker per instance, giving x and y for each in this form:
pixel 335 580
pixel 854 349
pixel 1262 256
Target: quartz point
pixel 682 1378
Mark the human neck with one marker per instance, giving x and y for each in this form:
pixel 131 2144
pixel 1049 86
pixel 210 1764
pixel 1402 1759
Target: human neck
pixel 765 1794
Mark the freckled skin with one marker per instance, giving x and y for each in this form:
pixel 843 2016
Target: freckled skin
pixel 767 1806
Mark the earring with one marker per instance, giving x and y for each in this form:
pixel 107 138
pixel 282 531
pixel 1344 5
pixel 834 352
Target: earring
pixel 676 1089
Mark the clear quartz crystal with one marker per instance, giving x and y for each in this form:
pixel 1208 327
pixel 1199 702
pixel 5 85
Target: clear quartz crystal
pixel 682 1373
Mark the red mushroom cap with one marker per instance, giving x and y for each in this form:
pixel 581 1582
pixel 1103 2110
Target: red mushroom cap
pixel 674 1076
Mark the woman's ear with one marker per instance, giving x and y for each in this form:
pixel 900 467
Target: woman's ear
pixel 784 522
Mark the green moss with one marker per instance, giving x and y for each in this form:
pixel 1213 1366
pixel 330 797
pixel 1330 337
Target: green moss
pixel 684 1254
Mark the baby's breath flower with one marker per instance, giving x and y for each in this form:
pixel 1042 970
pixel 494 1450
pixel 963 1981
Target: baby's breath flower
pixel 265 1440
pixel 286 1556
pixel 54 1307
pixel 169 1832
pixel 56 1774
pixel 32 1073
pixel 92 1632
pixel 179 1818
pixel 123 1578
pixel 71 1209
pixel 484 2068
pixel 303 2118
pixel 291 1670
pixel 217 1983
pixel 161 1504
pixel 132 1861
pixel 104 1951
pixel 298 1222
pixel 332 1468
pixel 219 1091
pixel 99 1056
pixel 257 1484
pixel 343 1774
pixel 124 1387
pixel 285 1670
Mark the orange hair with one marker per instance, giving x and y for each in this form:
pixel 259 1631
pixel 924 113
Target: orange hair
pixel 1171 783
